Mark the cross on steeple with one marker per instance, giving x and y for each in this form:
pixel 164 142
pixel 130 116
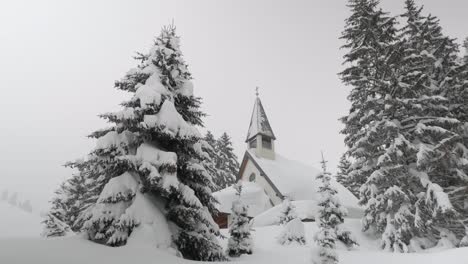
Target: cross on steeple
pixel 324 163
pixel 256 90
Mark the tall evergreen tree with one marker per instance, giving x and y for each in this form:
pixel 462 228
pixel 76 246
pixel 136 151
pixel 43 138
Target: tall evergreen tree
pixel 372 136
pixel 369 35
pixel 406 144
pixel 227 162
pixel 424 78
pixel 154 152
pixel 240 240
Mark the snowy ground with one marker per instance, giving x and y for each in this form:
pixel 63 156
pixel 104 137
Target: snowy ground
pixel 15 222
pixel 76 250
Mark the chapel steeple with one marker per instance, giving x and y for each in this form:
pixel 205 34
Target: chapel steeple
pixel 260 137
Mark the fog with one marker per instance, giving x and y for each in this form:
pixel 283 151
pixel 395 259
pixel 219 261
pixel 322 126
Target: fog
pixel 59 60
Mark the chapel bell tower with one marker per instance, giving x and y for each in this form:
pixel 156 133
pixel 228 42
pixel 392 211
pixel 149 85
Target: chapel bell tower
pixel 260 138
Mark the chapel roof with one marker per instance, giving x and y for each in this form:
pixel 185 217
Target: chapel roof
pixel 259 123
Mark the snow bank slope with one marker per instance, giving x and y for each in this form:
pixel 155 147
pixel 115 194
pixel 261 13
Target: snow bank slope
pixel 15 222
pixel 76 250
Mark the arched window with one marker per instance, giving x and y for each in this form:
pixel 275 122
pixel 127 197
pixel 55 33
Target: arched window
pixel 252 177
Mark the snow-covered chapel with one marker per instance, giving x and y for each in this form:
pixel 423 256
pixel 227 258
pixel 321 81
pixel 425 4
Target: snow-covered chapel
pixel 268 178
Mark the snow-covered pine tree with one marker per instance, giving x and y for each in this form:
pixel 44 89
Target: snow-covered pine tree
pixel 371 133
pixel 330 219
pixel 5 195
pixel 210 139
pixel 424 80
pixel 58 214
pixel 212 167
pixel 26 206
pixel 292 233
pixel 227 162
pixel 457 94
pixel 71 200
pixel 369 35
pixel 80 197
pixel 53 227
pixel 344 167
pixel 13 199
pixel 240 240
pixel 288 212
pixel 154 152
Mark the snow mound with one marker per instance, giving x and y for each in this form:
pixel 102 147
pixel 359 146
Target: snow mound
pixel 15 223
pixel 77 250
pixel 306 211
pixel 153 228
pixel 252 195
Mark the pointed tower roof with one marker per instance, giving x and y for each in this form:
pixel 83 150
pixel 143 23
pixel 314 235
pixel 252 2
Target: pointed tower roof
pixel 259 123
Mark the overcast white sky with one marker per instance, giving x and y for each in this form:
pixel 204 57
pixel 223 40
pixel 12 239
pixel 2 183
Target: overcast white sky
pixel 59 60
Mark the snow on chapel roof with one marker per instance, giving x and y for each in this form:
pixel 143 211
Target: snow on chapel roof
pixel 259 123
pixel 297 180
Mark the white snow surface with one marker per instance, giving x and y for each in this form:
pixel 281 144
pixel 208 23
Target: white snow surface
pixel 77 250
pixel 298 181
pixel 153 228
pixel 17 223
pixel 252 196
pixel 305 209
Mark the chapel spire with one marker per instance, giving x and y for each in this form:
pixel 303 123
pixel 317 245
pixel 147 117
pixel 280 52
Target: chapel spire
pixel 260 135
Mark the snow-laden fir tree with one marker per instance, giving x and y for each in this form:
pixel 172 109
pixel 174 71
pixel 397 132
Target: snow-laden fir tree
pixel 457 94
pixel 13 199
pixel 71 200
pixel 288 212
pixel 369 35
pixel 330 218
pixel 26 206
pixel 210 139
pixel 405 145
pixel 54 227
pixel 422 109
pixel 293 228
pixel 153 160
pixel 344 167
pixel 240 239
pixel 5 195
pixel 227 162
